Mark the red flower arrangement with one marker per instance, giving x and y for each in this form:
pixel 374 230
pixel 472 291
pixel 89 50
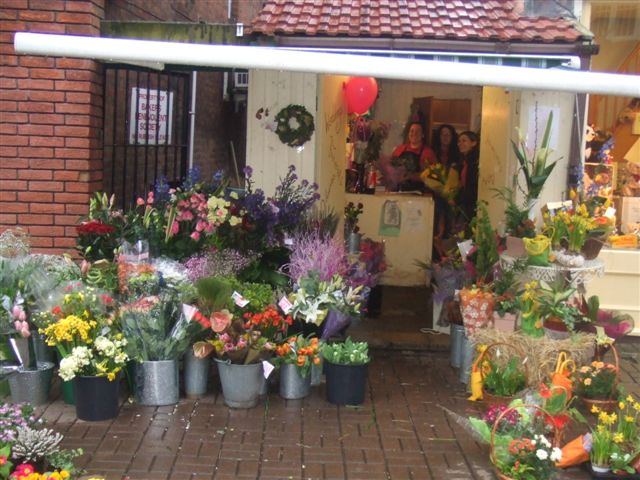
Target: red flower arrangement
pixel 269 322
pixel 94 227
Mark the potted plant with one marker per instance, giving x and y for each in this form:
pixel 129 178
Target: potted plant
pixel 558 314
pixel 507 305
pixel 518 225
pixel 92 350
pixel 345 366
pixel 503 375
pixel 296 357
pixel 597 385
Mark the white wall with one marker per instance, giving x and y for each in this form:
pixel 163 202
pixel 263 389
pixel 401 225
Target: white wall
pixel 270 158
pixel 394 104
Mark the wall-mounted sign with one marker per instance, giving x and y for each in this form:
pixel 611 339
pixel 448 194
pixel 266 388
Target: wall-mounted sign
pixel 151 116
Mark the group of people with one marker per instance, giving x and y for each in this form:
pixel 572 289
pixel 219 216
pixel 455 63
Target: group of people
pixel 454 151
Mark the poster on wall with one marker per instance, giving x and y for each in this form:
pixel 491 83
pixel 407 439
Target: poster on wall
pixel 151 116
pixel 390 219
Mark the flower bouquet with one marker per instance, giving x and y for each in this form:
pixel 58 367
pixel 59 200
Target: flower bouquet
pixel 82 329
pixel 100 232
pixel 444 182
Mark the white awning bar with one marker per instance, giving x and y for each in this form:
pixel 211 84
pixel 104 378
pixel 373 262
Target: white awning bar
pixel 125 50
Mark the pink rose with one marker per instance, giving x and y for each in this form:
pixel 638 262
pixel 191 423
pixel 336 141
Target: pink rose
pixel 175 228
pixel 139 201
pixel 195 236
pixel 18 313
pixel 221 320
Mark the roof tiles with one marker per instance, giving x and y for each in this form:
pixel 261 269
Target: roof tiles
pixel 481 20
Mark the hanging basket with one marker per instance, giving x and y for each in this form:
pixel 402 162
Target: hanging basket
pixel 488 397
pixel 492 446
pixel 610 403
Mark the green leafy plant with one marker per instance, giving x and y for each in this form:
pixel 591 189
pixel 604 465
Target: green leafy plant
pixel 534 167
pixel 259 295
pixel 347 352
pixel 63 460
pixel 517 222
pixel 484 238
pixel 553 300
pixel 504 380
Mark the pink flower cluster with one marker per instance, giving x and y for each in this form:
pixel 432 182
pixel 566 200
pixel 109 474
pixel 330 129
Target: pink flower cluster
pixel 230 344
pixel 193 210
pixel 20 321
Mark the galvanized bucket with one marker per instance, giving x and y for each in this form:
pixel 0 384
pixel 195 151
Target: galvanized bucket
pixel 196 374
pixel 44 353
pixel 241 384
pixel 467 360
pixel 316 372
pixel 457 332
pixel 156 382
pixel 292 384
pixel 31 385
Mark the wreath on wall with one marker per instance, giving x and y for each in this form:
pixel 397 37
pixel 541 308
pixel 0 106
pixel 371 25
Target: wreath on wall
pixel 294 125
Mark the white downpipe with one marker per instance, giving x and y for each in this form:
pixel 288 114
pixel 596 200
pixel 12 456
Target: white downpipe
pixel 192 116
pixel 124 50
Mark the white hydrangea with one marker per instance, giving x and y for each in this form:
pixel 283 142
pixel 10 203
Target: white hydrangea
pixel 105 346
pixel 556 454
pixel 542 454
pixel 68 368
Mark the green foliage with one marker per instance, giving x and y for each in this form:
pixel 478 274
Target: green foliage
pixel 347 352
pixel 63 460
pixel 553 299
pixel 266 269
pixel 505 380
pixel 517 222
pixel 214 293
pixel 103 275
pixel 484 239
pixel 5 468
pixel 259 295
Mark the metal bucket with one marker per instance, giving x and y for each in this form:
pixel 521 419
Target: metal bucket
pixel 467 360
pixel 196 374
pixel 31 385
pixel 292 384
pixel 457 333
pixel 241 384
pixel 316 372
pixel 44 353
pixel 156 382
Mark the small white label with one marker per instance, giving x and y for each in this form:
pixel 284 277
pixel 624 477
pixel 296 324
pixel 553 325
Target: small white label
pixel 188 311
pixel 610 212
pixel 285 305
pixel 239 300
pixel 267 368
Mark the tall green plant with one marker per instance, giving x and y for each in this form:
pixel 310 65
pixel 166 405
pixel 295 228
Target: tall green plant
pixel 484 239
pixel 535 167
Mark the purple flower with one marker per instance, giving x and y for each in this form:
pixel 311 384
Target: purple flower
pixel 248 171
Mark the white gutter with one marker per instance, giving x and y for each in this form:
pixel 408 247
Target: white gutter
pixel 124 50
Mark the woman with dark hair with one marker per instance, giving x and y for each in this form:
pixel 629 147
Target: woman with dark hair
pixel 469 146
pixel 411 157
pixel 445 146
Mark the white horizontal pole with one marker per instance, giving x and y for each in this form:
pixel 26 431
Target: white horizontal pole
pixel 125 50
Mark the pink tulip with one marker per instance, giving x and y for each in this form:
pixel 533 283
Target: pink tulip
pixel 18 313
pixel 22 326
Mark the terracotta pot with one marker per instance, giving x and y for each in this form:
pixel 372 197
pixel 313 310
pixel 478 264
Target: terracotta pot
pixel 591 248
pixel 606 405
pixel 505 323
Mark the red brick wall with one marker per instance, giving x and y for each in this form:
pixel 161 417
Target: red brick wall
pixel 50 123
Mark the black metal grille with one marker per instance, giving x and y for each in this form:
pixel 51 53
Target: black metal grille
pixel 143 140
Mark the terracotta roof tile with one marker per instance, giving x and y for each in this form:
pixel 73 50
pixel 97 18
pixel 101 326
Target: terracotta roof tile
pixel 482 20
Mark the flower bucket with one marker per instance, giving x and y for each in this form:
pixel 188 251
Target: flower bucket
pixel 156 382
pixel 467 351
pixel 241 384
pixel 506 322
pixel 292 384
pixel 476 307
pixel 68 392
pixel 31 385
pixel 96 398
pixel 44 353
pixel 457 334
pixel 346 384
pixel 196 374
pixel 353 241
pixel 316 372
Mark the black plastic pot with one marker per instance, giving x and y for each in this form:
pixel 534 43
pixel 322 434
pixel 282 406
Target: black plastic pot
pixel 346 384
pixel 96 398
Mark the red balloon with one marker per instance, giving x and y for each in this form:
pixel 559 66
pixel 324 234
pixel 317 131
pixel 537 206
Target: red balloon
pixel 360 93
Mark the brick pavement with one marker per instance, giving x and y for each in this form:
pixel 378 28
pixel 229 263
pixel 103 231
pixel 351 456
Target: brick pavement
pixel 401 432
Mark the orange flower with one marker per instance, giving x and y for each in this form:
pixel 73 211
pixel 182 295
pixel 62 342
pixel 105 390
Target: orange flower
pixel 301 360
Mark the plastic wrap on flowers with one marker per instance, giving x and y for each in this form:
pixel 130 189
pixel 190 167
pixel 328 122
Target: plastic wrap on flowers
pixel 334 323
pixel 476 307
pixel 447 280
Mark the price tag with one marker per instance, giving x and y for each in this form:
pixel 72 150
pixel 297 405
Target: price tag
pixel 267 368
pixel 239 300
pixel 285 305
pixel 188 311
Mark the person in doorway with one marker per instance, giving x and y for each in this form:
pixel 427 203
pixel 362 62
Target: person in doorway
pixel 467 198
pixel 410 158
pixel 445 146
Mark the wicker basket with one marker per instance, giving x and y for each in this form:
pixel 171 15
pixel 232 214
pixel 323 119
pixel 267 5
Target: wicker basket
pixel 489 398
pixel 606 404
pixel 555 441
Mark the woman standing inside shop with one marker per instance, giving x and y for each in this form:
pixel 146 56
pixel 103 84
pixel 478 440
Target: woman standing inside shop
pixel 411 157
pixel 467 198
pixel 445 146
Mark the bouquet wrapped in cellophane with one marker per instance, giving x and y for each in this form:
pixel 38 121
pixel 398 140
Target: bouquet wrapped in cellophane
pixel 445 182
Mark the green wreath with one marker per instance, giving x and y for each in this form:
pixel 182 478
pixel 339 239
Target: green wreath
pixel 294 125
